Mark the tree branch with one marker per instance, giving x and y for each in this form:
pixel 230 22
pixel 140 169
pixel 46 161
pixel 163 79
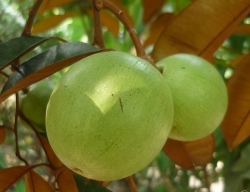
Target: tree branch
pixel 32 13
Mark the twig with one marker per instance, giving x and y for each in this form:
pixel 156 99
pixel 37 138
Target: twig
pixel 98 36
pixel 105 4
pixel 131 183
pixel 32 13
pixel 207 183
pixel 7 128
pixel 4 74
pixel 16 133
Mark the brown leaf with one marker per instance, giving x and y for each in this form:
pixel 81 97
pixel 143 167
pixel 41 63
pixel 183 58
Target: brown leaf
pixel 36 183
pixel 150 8
pixel 242 29
pixel 192 153
pixel 11 175
pixel 2 134
pixel 66 181
pixel 157 27
pixel 201 28
pixel 52 158
pixel 50 22
pixel 49 5
pixel 236 124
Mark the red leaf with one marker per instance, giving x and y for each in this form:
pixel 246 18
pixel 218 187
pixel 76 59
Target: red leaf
pixel 11 175
pixel 201 28
pixel 66 181
pixel 236 124
pixel 35 183
pixel 150 8
pixel 192 153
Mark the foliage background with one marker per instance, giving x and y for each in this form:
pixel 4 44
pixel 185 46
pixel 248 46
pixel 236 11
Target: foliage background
pixel 227 170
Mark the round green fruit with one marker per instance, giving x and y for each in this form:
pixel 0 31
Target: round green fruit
pixel 33 103
pixel 199 95
pixel 109 115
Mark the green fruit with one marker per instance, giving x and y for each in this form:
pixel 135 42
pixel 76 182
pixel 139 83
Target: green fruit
pixel 33 104
pixel 199 96
pixel 109 115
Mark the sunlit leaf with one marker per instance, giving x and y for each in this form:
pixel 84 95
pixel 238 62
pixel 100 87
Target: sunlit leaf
pixel 36 183
pixel 45 64
pixel 2 134
pixel 50 22
pixel 192 32
pixel 11 175
pixel 49 5
pixel 17 47
pixel 150 8
pixel 156 28
pixel 235 126
pixel 66 181
pixel 190 154
pixel 242 29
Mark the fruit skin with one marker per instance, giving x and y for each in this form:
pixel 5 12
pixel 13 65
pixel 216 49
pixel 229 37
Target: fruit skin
pixel 33 104
pixel 109 115
pixel 199 96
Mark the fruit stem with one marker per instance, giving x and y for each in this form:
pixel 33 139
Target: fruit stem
pixel 98 36
pixel 16 133
pixel 105 4
pixel 32 13
pixel 131 183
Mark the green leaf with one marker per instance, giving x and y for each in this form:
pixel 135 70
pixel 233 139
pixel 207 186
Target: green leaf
pixel 243 163
pixel 44 65
pixel 20 187
pixel 17 47
pixel 93 187
pixel 88 185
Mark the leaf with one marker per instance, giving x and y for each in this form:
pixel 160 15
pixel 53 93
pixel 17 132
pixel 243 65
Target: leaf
pixel 242 29
pixel 49 5
pixel 2 134
pixel 17 47
pixel 93 187
pixel 192 32
pixel 50 22
pixel 243 163
pixel 150 8
pixel 11 175
pixel 236 123
pixel 66 181
pixel 157 27
pixel 192 153
pixel 35 183
pixel 45 64
pixel 52 158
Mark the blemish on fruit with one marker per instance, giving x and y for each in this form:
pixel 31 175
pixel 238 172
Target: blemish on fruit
pixel 120 101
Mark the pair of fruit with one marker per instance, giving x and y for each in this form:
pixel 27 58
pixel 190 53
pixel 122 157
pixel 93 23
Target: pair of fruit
pixel 112 112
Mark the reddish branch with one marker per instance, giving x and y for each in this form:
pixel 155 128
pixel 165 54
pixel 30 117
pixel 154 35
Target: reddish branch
pixel 98 36
pixel 131 183
pixel 32 13
pixel 16 132
pixel 105 4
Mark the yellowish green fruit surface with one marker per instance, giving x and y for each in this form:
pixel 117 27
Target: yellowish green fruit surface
pixel 109 115
pixel 199 96
pixel 33 104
